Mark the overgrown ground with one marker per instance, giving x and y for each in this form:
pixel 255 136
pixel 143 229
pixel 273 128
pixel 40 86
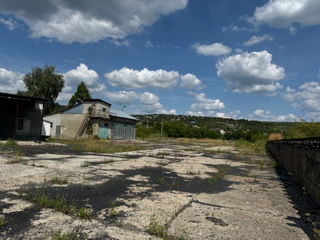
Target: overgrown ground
pixel 164 188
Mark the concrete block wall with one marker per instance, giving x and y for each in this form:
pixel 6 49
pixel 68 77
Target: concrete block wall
pixel 301 157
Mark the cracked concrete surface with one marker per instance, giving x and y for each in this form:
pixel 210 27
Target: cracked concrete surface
pixel 169 182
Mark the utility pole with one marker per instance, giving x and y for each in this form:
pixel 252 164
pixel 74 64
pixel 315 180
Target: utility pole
pixel 161 126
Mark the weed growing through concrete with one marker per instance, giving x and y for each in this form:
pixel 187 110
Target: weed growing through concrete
pixel 67 236
pixel 17 156
pixel 2 222
pixel 158 230
pixel 192 172
pixel 59 181
pixel 112 211
pixel 85 164
pixel 58 204
pixel 221 172
pixel 160 181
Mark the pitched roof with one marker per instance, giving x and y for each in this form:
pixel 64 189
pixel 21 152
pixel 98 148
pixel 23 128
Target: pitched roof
pixel 121 114
pixel 20 97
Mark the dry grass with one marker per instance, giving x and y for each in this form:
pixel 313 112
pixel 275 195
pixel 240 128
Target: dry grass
pixel 101 146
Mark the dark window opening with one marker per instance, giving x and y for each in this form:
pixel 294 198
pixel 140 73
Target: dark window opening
pixel 20 124
pixel 104 109
pixel 106 124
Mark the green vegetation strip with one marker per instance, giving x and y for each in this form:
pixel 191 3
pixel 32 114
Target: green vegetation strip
pixel 101 146
pixel 58 204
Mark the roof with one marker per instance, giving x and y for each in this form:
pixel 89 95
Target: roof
pixel 121 114
pixel 96 100
pixel 20 97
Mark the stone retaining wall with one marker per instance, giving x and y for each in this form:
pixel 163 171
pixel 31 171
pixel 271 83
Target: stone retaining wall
pixel 301 157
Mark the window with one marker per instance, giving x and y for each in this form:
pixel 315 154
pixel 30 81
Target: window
pixel 104 109
pixel 20 124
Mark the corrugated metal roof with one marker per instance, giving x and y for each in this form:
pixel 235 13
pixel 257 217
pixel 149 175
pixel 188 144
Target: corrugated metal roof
pixel 121 114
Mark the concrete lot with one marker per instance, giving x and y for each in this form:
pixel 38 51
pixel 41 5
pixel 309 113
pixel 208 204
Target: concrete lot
pixel 170 183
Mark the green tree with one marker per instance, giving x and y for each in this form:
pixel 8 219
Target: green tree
pixel 80 95
pixel 44 83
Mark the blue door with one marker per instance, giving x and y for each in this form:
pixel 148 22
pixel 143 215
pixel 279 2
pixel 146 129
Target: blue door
pixel 103 132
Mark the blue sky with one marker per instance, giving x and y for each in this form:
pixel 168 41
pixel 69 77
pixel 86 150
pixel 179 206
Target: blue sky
pixel 240 59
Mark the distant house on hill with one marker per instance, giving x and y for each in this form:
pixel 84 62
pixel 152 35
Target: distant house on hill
pixel 92 118
pixel 21 117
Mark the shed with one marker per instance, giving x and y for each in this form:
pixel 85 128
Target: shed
pixel 21 116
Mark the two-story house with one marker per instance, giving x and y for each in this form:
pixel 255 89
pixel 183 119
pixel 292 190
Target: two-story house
pixel 92 118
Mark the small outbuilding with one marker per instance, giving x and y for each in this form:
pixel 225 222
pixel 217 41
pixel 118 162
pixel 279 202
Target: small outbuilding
pixel 92 118
pixel 20 117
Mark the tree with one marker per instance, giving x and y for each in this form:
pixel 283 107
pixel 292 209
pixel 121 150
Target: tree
pixel 44 83
pixel 80 95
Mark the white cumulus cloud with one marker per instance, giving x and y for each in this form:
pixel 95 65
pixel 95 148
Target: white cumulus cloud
pixel 190 82
pixel 10 81
pixel 263 115
pixel 204 104
pixel 250 72
pixel 214 49
pixel 130 78
pixel 122 97
pixel 83 74
pixel 88 21
pixel 306 97
pixel 150 104
pixel 283 13
pixel 257 39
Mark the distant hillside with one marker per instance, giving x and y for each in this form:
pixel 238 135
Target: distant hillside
pixel 214 123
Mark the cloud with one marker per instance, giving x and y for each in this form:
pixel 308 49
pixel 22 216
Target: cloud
pixel 264 115
pixel 9 23
pixel 192 113
pixel 130 78
pixel 150 104
pixel 257 39
pixel 235 28
pixel 10 81
pixel 283 13
pixel 204 104
pixel 82 74
pixel 122 97
pixel 250 72
pixel 88 21
pixel 190 82
pixel 233 114
pixel 306 97
pixel 214 49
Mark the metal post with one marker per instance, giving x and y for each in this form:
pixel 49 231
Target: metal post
pixel 16 121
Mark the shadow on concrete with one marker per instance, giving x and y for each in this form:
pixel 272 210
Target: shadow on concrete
pixel 100 196
pixel 308 211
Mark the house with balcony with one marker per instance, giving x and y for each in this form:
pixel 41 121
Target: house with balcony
pixel 92 118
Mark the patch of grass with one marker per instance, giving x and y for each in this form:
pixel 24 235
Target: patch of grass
pixel 101 146
pixel 316 233
pixel 160 181
pixel 221 172
pixel 10 143
pixel 58 204
pixel 251 148
pixel 85 164
pixel 67 236
pixel 158 230
pixel 84 213
pixel 58 180
pixel 112 211
pixel 192 172
pixel 2 222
